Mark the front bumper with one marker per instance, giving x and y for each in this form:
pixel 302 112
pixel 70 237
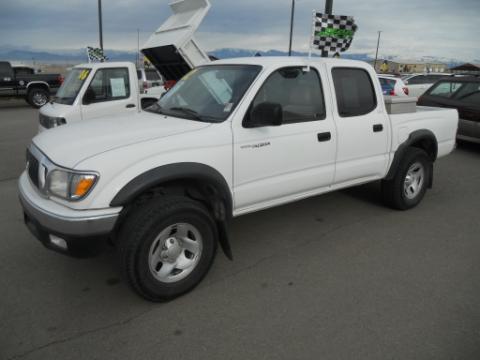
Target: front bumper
pixel 69 231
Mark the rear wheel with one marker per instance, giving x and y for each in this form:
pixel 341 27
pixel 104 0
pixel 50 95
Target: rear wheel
pixel 37 97
pixel 166 247
pixel 410 183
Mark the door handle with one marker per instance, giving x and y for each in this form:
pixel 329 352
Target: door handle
pixel 129 106
pixel 326 136
pixel 377 127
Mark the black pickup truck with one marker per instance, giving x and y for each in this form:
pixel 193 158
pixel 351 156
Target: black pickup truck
pixel 22 82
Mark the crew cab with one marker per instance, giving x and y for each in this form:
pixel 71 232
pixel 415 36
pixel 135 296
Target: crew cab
pixel 23 83
pixel 230 138
pixel 95 90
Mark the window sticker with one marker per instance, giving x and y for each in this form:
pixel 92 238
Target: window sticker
pixel 118 87
pixel 83 75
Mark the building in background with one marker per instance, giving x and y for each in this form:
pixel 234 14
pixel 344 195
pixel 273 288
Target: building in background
pixel 467 68
pixel 408 67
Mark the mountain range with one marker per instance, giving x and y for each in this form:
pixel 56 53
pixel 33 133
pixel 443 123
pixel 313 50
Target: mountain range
pixel 74 56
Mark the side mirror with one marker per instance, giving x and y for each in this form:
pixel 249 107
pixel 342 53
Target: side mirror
pixel 265 114
pixel 89 96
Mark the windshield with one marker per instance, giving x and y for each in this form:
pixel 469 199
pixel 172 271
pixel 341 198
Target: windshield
pixel 67 93
pixel 208 93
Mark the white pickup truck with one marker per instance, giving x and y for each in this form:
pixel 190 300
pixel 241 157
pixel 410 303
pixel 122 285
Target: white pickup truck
pixel 95 90
pixel 232 137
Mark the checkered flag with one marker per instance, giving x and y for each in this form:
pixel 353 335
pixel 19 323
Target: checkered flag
pixel 333 33
pixel 95 54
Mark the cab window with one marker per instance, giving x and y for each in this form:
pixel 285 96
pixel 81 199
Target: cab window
pixel 299 93
pixel 108 85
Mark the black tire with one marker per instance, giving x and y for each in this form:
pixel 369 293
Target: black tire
pixel 393 191
pixel 35 94
pixel 141 228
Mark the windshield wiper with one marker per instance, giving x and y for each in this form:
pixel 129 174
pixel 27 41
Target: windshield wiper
pixel 155 108
pixel 189 112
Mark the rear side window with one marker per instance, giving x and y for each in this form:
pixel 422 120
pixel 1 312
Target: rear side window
pixel 417 80
pixel 388 85
pixel 5 69
pixel 152 75
pixel 445 89
pixel 354 91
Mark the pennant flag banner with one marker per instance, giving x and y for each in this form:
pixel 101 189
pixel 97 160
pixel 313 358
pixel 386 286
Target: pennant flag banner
pixel 333 33
pixel 95 54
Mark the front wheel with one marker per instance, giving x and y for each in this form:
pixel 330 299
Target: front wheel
pixel 166 247
pixel 410 183
pixel 37 97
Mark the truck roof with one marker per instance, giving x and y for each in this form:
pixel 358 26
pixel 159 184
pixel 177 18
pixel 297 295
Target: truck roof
pixel 289 60
pixel 104 64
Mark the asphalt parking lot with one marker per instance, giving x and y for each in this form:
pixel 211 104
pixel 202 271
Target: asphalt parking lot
pixel 333 277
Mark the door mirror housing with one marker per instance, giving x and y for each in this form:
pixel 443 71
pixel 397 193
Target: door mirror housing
pixel 264 114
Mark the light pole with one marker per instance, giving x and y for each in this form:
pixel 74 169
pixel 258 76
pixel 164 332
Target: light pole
pixel 328 11
pixel 376 53
pixel 100 29
pixel 291 28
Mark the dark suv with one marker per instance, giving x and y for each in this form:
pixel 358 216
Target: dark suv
pixel 463 94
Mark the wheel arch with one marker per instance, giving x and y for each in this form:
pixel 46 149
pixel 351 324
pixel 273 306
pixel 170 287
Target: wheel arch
pixel 38 84
pixel 199 181
pixel 423 139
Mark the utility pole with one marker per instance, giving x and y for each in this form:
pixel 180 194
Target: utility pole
pixel 291 28
pixel 100 29
pixel 376 53
pixel 328 11
pixel 138 47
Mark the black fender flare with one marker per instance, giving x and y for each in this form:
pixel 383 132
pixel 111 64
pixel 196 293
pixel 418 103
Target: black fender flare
pixel 222 209
pixel 414 138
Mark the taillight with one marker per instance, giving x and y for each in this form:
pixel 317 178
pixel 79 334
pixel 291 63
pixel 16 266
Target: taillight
pixel 392 92
pixel 60 79
pixel 405 90
pixel 145 85
pixel 169 84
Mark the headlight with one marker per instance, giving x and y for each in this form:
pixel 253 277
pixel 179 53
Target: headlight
pixel 70 185
pixel 49 122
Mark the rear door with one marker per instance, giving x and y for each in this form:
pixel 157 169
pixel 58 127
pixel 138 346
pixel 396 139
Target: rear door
pixel 274 164
pixel 363 126
pixel 7 79
pixel 110 92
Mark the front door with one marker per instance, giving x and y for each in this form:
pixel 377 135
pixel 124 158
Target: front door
pixel 279 163
pixel 109 93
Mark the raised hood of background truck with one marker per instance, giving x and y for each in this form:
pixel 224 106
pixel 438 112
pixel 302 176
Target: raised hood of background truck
pixel 172 49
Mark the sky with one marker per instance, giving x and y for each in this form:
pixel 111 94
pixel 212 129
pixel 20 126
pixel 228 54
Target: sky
pixel 411 29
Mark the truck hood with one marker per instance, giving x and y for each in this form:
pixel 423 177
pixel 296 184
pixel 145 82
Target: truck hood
pixel 68 145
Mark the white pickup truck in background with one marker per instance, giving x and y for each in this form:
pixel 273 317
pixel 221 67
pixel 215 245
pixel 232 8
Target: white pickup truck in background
pixel 96 90
pixel 230 138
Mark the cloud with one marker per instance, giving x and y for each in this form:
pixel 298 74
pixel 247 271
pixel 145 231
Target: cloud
pixel 410 28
